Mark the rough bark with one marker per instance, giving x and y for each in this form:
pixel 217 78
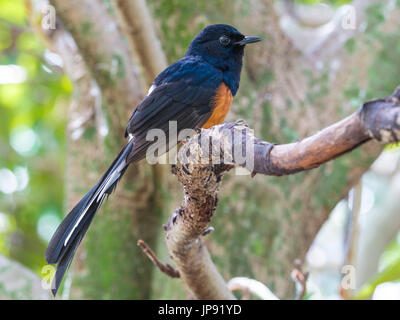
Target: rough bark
pixel 186 226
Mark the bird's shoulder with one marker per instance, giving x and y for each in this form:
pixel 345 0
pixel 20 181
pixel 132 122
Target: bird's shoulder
pixel 192 70
pixel 185 89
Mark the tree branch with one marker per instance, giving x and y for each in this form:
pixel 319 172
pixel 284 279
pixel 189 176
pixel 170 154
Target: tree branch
pixel 186 227
pixel 300 278
pixel 201 176
pixel 106 55
pixel 141 34
pixel 377 119
pixel 165 268
pixel 139 30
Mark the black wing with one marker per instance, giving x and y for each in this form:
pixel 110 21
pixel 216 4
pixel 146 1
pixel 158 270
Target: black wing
pixel 190 105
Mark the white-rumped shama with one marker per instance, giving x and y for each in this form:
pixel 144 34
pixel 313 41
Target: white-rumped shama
pixel 196 92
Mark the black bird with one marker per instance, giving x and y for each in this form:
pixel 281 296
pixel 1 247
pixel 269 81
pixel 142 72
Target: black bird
pixel 196 92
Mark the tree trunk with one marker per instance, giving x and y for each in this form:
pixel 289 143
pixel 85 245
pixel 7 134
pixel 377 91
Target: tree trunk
pixel 113 266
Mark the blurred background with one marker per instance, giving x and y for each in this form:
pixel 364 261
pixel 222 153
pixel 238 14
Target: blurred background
pixel 67 88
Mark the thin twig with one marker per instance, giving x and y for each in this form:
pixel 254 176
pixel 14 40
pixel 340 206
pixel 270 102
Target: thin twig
pixel 300 278
pixel 140 32
pixel 165 268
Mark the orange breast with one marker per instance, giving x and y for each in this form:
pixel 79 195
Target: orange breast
pixel 222 102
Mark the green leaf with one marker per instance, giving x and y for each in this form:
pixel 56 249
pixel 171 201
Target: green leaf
pixel 390 273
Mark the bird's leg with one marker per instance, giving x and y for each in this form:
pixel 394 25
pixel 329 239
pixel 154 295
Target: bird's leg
pixel 207 231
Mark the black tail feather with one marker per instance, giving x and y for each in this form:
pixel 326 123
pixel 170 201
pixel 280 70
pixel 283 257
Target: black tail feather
pixel 70 232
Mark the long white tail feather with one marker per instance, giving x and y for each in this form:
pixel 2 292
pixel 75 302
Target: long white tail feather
pixel 71 231
pixel 114 177
pixel 77 222
pixel 99 195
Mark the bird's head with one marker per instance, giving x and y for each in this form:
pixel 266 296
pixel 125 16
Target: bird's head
pixel 221 45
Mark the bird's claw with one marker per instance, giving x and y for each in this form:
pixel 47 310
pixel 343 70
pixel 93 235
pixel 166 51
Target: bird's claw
pixel 241 122
pixel 207 231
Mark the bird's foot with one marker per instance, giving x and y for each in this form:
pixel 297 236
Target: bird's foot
pixel 207 231
pixel 241 122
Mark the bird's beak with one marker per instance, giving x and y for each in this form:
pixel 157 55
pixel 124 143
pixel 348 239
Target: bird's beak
pixel 247 40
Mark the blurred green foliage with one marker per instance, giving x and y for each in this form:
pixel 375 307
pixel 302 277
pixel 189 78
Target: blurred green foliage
pixel 33 101
pixel 390 271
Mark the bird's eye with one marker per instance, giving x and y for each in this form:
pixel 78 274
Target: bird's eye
pixel 224 40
